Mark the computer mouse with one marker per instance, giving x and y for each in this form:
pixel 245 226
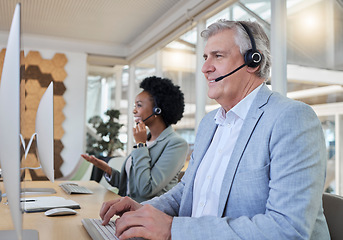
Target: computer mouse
pixel 60 212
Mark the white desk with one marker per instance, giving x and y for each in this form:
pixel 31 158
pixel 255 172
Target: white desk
pixel 61 227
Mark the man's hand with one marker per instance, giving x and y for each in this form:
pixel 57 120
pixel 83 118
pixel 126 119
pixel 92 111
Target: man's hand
pixel 146 222
pixel 117 207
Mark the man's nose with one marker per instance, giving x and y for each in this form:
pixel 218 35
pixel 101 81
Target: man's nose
pixel 207 66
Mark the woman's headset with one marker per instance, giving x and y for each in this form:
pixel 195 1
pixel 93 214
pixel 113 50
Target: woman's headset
pixel 155 111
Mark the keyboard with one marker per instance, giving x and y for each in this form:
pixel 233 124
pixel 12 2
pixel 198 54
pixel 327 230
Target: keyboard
pixel 74 188
pixel 97 231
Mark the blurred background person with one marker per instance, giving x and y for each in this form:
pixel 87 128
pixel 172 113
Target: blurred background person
pixel 153 167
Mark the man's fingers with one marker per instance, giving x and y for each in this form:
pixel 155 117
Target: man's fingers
pixel 135 231
pixel 105 206
pixel 129 220
pixel 117 207
pixel 109 214
pixel 146 222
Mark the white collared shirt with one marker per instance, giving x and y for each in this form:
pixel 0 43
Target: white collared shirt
pixel 210 174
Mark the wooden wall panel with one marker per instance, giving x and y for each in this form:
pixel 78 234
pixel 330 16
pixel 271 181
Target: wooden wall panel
pixel 37 75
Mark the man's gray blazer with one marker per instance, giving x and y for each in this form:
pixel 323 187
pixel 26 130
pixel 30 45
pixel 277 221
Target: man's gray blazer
pixel 274 181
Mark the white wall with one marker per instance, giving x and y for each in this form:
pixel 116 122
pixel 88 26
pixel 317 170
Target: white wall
pixel 74 96
pixel 74 110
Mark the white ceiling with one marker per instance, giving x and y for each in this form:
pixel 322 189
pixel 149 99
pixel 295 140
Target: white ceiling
pixel 120 28
pixel 117 30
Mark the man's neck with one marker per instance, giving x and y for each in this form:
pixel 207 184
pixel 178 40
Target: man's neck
pixel 248 88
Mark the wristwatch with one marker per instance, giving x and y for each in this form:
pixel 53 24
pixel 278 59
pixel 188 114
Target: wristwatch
pixel 139 145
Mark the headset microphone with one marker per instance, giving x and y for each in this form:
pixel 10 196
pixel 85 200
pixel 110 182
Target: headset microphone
pixel 148 117
pixel 222 77
pixel 252 57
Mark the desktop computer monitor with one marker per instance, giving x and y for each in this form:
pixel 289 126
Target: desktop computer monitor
pixel 44 137
pixel 10 123
pixel 45 132
pixel 10 149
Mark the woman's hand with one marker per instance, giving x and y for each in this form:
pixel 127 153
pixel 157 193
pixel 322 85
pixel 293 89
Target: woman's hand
pixel 140 133
pixel 98 163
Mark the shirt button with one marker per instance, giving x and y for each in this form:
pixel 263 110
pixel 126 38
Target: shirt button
pixel 208 177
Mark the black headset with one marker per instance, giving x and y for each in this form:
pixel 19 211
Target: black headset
pixel 252 57
pixel 157 110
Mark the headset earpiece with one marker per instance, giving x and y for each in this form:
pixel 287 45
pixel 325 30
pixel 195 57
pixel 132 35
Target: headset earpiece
pixel 252 57
pixel 157 110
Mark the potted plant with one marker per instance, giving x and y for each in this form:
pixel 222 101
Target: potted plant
pixel 108 141
pixel 104 145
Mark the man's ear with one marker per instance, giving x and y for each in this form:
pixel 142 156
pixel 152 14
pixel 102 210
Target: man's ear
pixel 253 70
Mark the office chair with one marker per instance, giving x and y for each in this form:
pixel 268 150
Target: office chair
pixel 333 211
pixel 82 171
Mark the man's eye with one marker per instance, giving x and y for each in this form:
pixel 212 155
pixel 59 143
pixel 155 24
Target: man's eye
pixel 218 55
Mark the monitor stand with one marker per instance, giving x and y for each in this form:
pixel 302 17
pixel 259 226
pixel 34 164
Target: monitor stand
pixel 30 191
pixel 27 234
pixel 33 191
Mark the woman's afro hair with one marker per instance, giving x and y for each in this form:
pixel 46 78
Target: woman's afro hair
pixel 167 96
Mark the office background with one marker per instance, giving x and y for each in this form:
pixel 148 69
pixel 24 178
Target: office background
pixel 110 46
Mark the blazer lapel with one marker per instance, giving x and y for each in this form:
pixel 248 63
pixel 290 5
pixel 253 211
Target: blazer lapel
pixel 166 132
pixel 252 118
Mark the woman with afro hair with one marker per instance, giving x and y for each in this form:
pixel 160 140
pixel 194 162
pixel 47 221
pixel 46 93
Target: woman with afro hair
pixel 153 166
